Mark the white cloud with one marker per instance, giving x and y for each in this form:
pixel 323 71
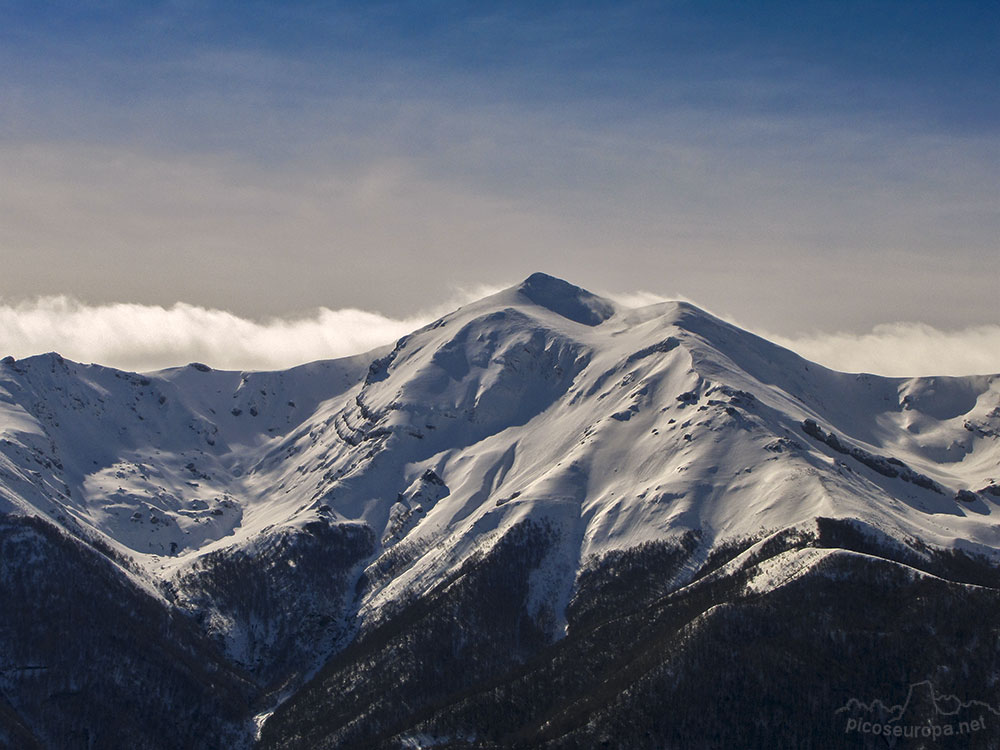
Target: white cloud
pixel 903 349
pixel 148 337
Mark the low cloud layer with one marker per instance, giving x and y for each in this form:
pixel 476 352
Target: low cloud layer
pixel 148 337
pixel 904 349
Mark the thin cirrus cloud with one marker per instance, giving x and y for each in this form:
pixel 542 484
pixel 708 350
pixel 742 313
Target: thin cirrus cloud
pixel 149 337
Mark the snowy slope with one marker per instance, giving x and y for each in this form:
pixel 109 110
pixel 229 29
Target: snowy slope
pixel 155 462
pixel 613 426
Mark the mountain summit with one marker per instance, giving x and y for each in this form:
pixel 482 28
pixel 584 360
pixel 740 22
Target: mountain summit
pixel 379 549
pixel 570 301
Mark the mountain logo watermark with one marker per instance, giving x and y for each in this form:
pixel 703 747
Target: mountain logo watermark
pixel 924 715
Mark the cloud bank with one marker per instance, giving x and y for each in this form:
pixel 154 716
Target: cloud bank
pixel 904 349
pixel 148 337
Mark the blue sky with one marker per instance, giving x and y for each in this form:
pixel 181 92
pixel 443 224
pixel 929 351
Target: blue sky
pixel 926 66
pixel 800 166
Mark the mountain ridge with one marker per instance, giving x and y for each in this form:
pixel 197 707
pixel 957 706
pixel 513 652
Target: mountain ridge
pixel 478 371
pixel 295 515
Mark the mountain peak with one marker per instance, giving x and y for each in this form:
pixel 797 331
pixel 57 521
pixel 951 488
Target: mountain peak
pixel 565 299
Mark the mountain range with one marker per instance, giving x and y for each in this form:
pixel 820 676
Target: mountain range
pixel 543 520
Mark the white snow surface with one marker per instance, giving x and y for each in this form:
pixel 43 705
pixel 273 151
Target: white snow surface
pixel 615 426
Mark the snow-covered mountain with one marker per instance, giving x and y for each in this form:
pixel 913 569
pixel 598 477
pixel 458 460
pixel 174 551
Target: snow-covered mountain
pixel 497 485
